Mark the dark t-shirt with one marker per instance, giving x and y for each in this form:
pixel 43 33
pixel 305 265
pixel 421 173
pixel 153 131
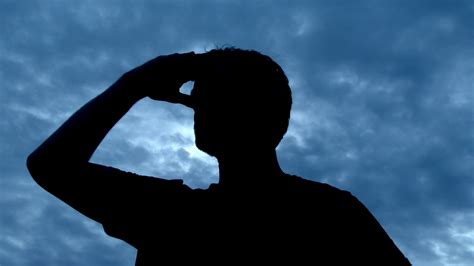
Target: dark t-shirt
pixel 292 220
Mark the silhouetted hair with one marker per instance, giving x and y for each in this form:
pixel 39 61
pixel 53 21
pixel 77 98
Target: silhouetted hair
pixel 257 87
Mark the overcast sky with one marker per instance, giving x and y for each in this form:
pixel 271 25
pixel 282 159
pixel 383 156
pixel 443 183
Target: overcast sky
pixel 383 107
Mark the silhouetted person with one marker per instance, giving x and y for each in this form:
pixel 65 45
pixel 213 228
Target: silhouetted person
pixel 255 213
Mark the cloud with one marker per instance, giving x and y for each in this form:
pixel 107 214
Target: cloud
pixel 161 138
pixel 37 228
pixel 382 107
pixel 386 117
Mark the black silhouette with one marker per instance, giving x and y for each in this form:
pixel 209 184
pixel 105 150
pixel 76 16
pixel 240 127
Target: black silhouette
pixel 256 213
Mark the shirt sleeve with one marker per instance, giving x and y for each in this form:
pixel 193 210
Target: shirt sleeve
pixel 372 242
pixel 135 205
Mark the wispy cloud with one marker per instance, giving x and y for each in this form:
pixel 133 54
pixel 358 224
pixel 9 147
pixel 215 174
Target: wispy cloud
pixel 382 107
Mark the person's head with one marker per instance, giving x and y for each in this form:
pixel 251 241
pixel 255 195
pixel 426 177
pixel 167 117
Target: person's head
pixel 242 102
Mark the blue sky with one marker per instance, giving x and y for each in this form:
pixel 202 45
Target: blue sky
pixel 383 107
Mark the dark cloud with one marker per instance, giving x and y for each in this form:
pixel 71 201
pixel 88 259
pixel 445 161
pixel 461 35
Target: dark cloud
pixel 383 107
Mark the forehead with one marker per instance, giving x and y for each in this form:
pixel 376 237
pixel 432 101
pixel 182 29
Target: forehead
pixel 215 80
pixel 215 95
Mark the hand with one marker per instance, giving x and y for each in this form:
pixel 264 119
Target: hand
pixel 161 78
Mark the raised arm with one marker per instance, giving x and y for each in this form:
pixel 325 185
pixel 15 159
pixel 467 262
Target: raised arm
pixel 61 164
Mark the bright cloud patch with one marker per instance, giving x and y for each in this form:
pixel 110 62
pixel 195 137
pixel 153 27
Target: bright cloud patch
pixel 382 107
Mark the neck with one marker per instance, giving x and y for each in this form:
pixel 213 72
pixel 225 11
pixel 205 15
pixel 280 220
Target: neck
pixel 248 168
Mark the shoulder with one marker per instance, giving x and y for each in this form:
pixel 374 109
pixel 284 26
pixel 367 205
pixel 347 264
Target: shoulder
pixel 325 196
pixel 318 187
pixel 143 183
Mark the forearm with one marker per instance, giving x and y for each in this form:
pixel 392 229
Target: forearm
pixel 73 144
pixel 77 139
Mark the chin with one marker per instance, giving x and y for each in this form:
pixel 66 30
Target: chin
pixel 205 147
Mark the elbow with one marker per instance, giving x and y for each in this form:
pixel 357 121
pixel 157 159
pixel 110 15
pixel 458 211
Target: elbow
pixel 35 167
pixel 48 170
pixel 42 170
pixel 32 163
